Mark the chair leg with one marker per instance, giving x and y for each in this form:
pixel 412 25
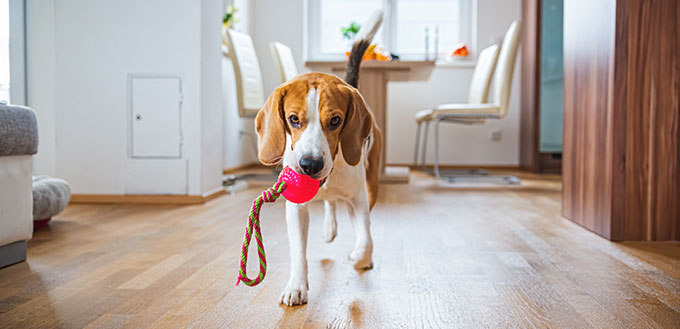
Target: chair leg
pixel 422 161
pixel 415 152
pixel 455 175
pixel 436 148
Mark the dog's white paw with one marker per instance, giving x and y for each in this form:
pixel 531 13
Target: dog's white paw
pixel 294 294
pixel 361 259
pixel 330 229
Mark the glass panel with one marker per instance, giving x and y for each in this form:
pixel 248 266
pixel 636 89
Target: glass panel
pixel 4 50
pixel 552 77
pixel 413 16
pixel 336 14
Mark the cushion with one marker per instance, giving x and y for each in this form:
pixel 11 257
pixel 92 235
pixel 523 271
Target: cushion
pixel 18 130
pixel 424 115
pixel 50 196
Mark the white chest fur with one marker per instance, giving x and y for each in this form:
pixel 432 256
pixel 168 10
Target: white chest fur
pixel 345 182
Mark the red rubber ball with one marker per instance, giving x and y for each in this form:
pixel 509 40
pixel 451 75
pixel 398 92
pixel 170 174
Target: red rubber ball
pixel 299 188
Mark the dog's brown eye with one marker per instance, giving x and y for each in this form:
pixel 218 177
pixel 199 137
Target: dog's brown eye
pixel 294 121
pixel 335 122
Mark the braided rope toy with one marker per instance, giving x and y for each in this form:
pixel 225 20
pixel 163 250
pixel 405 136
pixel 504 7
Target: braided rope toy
pixel 295 187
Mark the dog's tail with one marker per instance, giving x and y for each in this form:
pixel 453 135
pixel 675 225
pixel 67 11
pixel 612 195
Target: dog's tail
pixel 364 38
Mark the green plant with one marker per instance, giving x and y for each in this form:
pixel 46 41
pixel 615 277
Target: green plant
pixel 229 16
pixel 351 31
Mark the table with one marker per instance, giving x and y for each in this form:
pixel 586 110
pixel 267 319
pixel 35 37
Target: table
pixel 373 79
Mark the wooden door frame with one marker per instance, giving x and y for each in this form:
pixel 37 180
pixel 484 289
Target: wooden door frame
pixel 531 159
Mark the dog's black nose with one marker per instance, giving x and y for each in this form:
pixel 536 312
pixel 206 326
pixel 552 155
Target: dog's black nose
pixel 311 166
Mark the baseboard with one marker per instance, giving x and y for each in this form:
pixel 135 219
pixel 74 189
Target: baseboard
pixel 12 253
pixel 448 166
pixel 233 170
pixel 216 192
pixel 148 198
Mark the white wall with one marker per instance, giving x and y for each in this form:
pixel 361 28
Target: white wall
pixel 212 143
pixel 282 21
pixel 40 80
pixel 80 52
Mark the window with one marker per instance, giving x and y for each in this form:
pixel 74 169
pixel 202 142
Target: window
pixel 407 24
pixel 340 13
pixel 12 52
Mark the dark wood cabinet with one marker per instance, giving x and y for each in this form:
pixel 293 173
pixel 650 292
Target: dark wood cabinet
pixel 621 156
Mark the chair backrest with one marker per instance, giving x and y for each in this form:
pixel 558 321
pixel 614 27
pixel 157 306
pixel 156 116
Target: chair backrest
pixel 283 57
pixel 506 67
pixel 249 83
pixel 482 76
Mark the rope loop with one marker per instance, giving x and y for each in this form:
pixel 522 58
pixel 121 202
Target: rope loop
pixel 268 196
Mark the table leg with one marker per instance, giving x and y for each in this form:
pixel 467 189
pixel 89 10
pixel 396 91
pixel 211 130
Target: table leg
pixel 373 87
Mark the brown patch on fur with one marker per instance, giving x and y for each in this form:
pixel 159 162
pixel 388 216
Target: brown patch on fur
pixel 373 168
pixel 295 103
pixel 357 127
pixel 271 134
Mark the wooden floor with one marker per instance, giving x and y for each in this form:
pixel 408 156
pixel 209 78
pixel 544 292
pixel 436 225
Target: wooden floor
pixel 445 257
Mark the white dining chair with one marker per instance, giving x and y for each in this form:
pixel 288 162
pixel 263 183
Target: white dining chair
pixel 478 94
pixel 249 84
pixel 478 110
pixel 250 94
pixel 285 62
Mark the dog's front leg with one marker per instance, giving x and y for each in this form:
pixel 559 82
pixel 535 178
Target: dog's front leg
pixel 297 218
pixel 360 215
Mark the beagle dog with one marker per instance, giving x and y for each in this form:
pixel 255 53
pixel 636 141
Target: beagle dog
pixel 320 126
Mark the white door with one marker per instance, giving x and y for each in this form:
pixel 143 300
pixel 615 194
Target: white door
pixel 155 164
pixel 155 110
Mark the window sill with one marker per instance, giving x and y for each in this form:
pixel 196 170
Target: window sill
pixel 372 64
pixel 455 63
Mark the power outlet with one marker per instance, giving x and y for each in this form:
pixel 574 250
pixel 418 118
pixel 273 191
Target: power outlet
pixel 496 135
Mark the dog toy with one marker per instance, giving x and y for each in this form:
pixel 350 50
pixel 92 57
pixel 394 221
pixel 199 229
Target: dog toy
pixel 296 188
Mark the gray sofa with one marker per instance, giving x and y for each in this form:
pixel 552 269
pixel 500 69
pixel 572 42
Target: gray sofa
pixel 18 143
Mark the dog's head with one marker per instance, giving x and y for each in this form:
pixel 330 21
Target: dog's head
pixel 306 120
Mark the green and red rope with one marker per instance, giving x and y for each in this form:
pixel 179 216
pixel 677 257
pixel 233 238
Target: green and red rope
pixel 268 196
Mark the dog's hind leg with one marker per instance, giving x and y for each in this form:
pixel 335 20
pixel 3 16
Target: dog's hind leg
pixel 330 224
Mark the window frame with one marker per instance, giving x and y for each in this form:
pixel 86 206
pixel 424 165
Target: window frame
pixel 17 51
pixel 312 30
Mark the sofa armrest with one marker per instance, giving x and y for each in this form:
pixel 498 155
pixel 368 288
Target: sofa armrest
pixel 18 131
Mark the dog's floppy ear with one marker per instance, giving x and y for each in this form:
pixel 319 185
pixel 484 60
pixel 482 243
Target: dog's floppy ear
pixel 271 133
pixel 358 123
